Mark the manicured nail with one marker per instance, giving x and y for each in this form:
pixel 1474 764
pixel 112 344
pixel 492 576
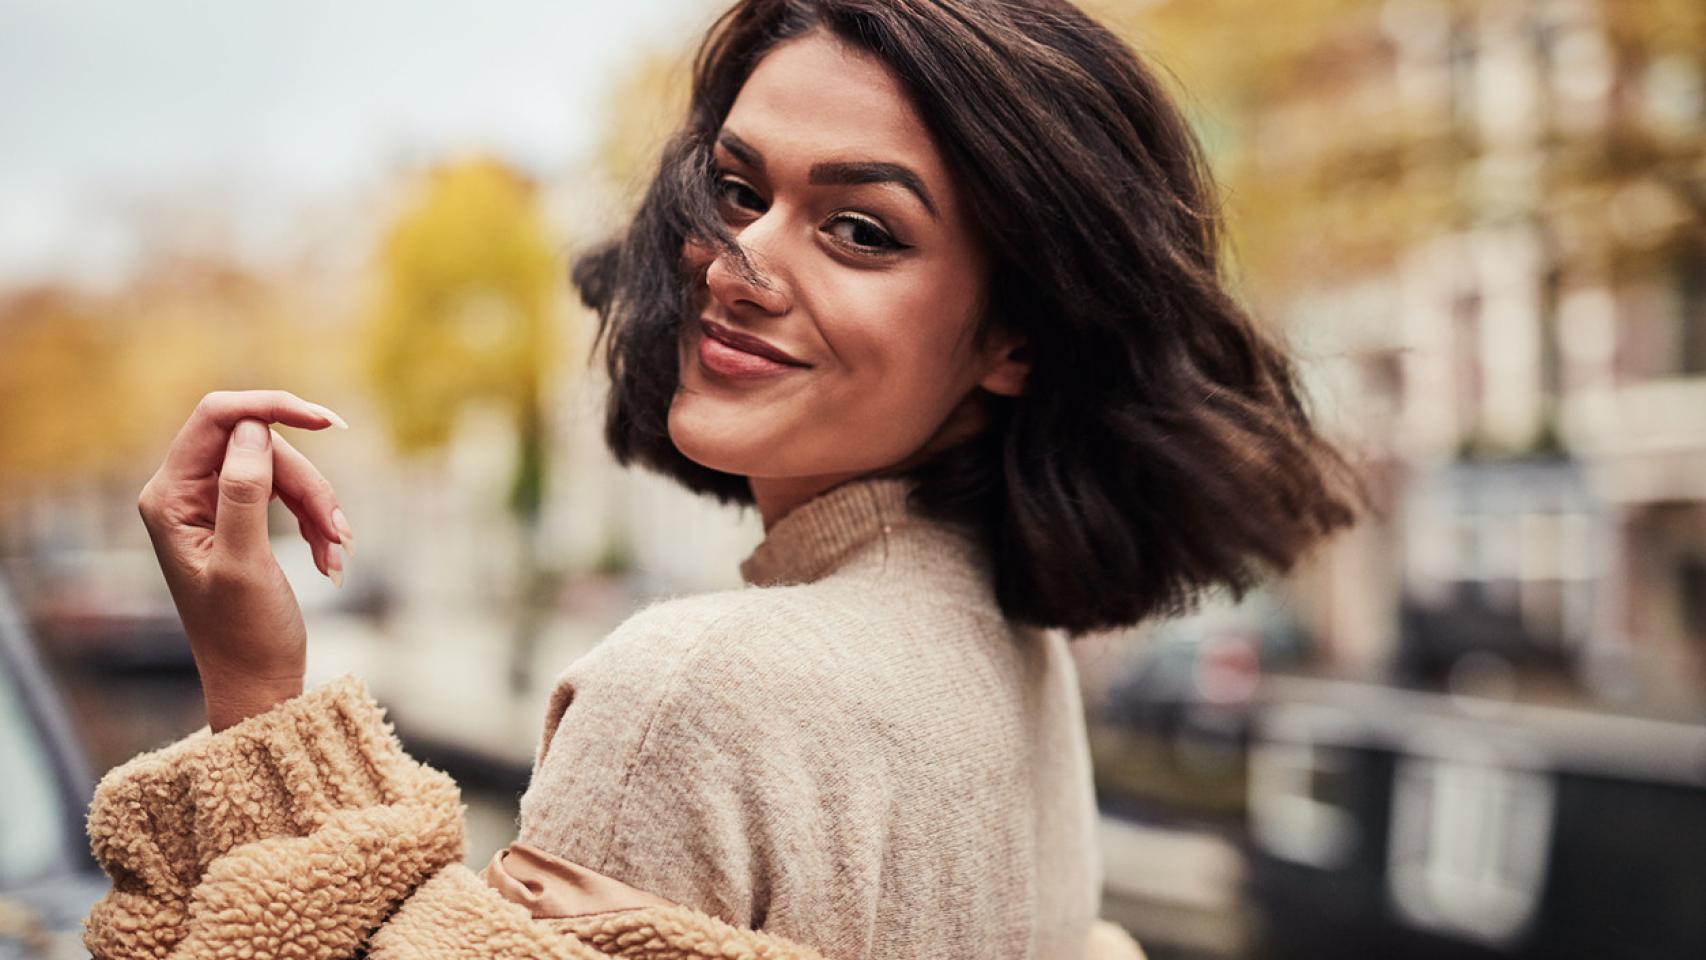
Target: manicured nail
pixel 327 412
pixel 346 536
pixel 335 566
pixel 251 435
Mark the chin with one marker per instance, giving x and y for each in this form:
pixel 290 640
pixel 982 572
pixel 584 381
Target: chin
pixel 702 440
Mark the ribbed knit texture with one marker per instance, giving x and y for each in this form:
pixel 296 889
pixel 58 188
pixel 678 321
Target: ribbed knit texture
pixel 856 751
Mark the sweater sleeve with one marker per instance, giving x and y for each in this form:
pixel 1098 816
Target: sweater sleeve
pixel 304 826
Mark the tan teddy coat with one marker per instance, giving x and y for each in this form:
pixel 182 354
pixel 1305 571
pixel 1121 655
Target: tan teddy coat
pixel 855 756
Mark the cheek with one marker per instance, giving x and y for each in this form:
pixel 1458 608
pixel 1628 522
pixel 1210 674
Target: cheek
pixel 904 344
pixel 695 257
pixel 894 364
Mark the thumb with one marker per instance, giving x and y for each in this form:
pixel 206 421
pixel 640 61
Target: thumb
pixel 245 489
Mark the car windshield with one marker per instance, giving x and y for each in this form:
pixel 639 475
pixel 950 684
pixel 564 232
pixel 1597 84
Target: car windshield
pixel 31 821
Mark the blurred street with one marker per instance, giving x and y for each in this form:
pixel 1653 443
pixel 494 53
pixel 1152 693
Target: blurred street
pixel 1473 726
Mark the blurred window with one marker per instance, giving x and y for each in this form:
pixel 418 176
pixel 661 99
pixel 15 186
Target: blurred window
pixel 1551 350
pixel 1690 269
pixel 30 814
pixel 1466 360
pixel 1465 95
pixel 1468 846
pixel 1662 321
pixel 1299 803
pixel 1691 592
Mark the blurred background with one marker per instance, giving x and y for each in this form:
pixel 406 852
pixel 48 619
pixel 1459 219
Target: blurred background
pixel 1474 726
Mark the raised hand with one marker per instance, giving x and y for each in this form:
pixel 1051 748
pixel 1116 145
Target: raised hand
pixel 206 513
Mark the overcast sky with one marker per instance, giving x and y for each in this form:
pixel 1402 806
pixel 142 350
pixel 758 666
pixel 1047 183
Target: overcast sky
pixel 264 103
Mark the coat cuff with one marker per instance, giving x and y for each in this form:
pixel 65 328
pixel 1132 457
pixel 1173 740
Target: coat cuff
pixel 159 819
pixel 309 817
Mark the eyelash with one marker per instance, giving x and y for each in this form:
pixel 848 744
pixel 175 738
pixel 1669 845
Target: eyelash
pixel 887 247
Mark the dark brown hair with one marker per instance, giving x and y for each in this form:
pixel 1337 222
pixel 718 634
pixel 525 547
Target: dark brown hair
pixel 1161 446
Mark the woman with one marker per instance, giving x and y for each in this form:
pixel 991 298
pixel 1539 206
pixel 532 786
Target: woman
pixel 933 284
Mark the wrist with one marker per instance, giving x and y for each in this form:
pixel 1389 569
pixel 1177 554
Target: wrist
pixel 232 698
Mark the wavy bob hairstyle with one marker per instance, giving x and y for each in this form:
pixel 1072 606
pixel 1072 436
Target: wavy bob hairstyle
pixel 1161 446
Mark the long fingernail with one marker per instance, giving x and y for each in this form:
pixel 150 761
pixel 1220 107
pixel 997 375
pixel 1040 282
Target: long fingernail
pixel 335 565
pixel 327 412
pixel 346 536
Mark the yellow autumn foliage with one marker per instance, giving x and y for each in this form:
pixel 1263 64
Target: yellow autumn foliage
pixel 465 308
pixel 648 103
pixel 93 385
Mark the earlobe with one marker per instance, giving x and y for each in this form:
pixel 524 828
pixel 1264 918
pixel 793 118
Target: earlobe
pixel 1008 376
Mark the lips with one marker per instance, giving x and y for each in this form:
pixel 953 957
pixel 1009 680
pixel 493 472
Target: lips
pixel 746 343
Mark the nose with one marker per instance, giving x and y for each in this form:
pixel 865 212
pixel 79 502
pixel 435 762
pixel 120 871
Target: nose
pixel 756 287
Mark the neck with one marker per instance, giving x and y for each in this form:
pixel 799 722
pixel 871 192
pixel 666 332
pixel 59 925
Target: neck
pixel 776 497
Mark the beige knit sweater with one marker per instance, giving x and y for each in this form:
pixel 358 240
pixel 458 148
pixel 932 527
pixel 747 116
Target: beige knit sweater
pixel 853 756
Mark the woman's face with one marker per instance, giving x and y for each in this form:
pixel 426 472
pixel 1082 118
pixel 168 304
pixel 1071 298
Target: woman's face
pixel 872 285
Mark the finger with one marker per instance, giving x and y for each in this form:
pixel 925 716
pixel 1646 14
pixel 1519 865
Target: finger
pixel 296 477
pixel 200 444
pixel 317 544
pixel 245 489
pixel 327 558
pixel 311 532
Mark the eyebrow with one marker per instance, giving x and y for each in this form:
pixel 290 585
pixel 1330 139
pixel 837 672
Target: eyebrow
pixel 846 172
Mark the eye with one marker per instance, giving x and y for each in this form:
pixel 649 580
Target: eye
pixel 857 233
pixel 735 192
pixel 865 235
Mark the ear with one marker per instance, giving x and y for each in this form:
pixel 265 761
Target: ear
pixel 1009 367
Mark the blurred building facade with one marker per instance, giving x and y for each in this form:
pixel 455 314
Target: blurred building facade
pixel 1485 221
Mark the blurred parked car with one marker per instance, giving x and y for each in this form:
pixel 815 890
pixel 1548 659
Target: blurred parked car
pixel 48 880
pixel 102 611
pixel 1171 730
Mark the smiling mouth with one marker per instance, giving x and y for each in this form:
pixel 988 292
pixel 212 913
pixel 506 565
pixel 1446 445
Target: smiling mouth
pixel 745 343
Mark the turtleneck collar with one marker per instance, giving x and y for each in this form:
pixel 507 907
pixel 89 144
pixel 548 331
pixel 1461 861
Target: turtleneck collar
pixel 829 531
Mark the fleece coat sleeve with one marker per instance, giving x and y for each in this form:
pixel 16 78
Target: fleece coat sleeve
pixel 307 832
pixel 293 833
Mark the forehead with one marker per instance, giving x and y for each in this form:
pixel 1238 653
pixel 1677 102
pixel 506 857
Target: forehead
pixel 816 98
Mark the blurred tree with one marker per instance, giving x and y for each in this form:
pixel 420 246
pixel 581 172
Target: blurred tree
pixel 465 305
pixel 1228 52
pixel 466 314
pixel 1312 184
pixel 648 102
pixel 94 385
pixel 1329 169
pixel 1660 26
pixel 1657 141
pixel 59 389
